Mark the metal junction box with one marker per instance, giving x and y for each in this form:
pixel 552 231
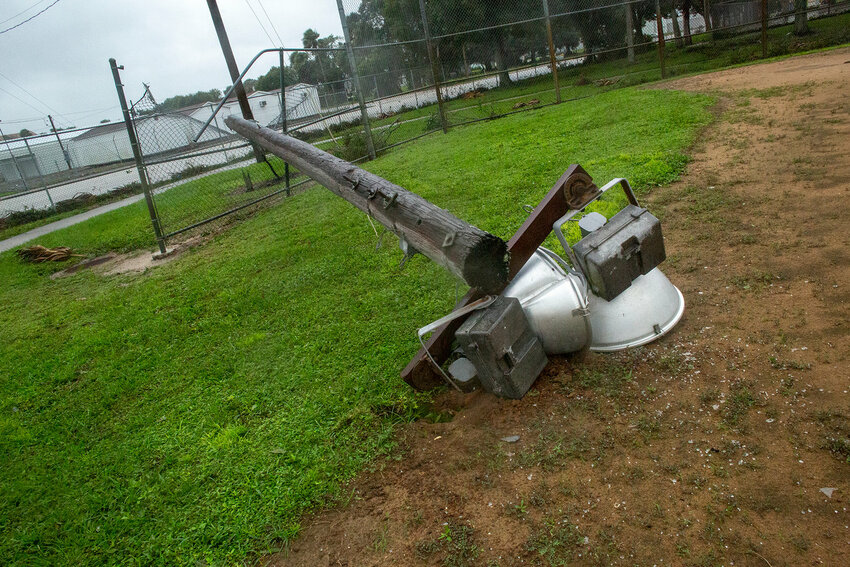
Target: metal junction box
pixel 506 353
pixel 626 247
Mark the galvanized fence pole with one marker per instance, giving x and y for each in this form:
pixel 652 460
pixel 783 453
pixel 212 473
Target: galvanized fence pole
pixel 413 86
pixel 137 155
pixel 283 119
pixel 15 161
pixel 434 68
pixel 220 131
pixel 352 61
pixel 660 27
pixel 552 56
pixel 65 153
pixel 40 174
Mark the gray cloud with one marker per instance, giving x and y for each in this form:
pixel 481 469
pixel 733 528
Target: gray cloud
pixel 62 56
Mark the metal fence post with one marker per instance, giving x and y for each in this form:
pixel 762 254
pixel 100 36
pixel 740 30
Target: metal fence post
pixel 434 71
pixel 413 86
pixel 378 94
pixel 40 174
pixel 660 27
pixel 364 115
pixel 764 29
pixel 15 161
pixel 552 57
pixel 283 119
pixel 137 155
pixel 65 153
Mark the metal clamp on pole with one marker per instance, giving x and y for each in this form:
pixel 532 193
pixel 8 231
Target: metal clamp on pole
pixel 559 224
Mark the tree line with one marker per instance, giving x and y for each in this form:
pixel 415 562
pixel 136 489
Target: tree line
pixel 495 35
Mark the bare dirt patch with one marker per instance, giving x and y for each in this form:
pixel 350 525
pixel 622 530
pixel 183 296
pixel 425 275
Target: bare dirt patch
pixel 709 447
pixel 138 261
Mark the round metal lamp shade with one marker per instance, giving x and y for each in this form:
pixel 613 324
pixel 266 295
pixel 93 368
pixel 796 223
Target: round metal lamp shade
pixel 644 312
pixel 554 300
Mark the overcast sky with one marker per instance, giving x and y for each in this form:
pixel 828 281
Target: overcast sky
pixel 58 62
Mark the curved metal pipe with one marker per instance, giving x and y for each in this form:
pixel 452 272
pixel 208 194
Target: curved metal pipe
pixel 232 87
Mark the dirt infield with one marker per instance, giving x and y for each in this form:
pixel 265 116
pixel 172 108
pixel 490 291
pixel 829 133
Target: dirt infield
pixel 725 443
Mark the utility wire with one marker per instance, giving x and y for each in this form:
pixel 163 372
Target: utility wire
pixel 23 11
pixel 22 101
pixel 274 29
pixel 259 22
pixel 44 104
pixel 37 14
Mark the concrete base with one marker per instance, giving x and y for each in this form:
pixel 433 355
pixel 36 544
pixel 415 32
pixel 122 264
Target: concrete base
pixel 162 255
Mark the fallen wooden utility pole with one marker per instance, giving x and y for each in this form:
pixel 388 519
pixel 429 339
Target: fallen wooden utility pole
pixel 477 257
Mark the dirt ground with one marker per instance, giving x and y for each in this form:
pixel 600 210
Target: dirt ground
pixel 719 444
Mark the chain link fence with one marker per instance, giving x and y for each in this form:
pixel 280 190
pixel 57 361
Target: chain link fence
pixel 197 175
pixel 401 70
pixel 427 65
pixel 45 175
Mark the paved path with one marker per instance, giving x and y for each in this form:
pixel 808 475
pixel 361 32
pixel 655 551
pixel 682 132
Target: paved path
pixel 16 241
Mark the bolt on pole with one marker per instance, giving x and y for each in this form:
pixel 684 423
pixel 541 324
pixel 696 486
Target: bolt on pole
pixel 434 68
pixel 137 155
pixel 552 56
pixel 352 62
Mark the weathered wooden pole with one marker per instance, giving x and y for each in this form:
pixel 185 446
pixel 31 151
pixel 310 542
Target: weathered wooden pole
pixel 477 257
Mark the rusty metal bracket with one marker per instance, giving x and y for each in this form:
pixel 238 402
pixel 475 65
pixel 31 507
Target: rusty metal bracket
pixel 572 191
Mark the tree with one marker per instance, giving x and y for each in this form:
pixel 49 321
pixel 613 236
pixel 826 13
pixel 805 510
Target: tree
pixel 801 22
pixel 181 101
pixel 271 80
pixel 686 19
pixel 26 133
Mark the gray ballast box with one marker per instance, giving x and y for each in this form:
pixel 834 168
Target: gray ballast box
pixel 626 247
pixel 506 353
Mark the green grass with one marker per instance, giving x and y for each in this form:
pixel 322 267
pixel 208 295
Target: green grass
pixel 190 415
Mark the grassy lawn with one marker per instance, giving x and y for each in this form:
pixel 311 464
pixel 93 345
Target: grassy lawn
pixel 191 414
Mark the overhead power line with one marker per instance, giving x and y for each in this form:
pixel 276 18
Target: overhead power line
pixel 23 11
pixel 19 99
pixel 271 23
pixel 259 22
pixel 35 98
pixel 34 16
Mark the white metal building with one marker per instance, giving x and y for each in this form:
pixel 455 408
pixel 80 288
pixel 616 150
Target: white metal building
pixel 35 156
pixel 302 101
pixel 158 133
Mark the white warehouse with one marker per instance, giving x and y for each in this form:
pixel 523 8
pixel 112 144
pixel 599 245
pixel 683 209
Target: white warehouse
pixel 302 101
